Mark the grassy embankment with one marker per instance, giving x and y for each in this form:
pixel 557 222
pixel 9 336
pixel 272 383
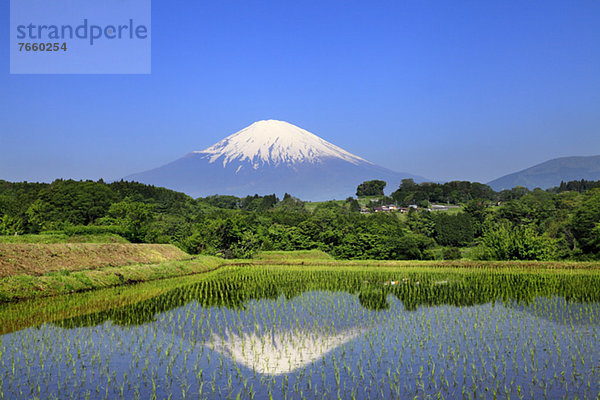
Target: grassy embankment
pixel 30 270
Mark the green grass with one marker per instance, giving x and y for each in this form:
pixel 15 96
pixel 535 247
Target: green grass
pixel 365 201
pixel 19 287
pixel 48 238
pixel 293 255
pixel 451 211
pixel 318 259
pixel 312 205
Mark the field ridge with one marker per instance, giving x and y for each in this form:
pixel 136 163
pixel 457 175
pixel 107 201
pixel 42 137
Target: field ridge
pixel 37 259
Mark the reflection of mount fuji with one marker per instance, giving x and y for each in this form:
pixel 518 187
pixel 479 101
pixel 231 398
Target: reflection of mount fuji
pixel 279 352
pixel 270 157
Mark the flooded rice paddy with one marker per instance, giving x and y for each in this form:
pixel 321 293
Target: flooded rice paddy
pixel 309 333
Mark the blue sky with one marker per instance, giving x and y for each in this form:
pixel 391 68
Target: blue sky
pixel 449 90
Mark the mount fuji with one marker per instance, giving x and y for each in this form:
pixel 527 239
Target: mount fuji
pixel 270 157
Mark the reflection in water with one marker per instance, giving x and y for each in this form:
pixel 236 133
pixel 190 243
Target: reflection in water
pixel 277 336
pixel 323 335
pixel 415 289
pixel 279 352
pixel 560 311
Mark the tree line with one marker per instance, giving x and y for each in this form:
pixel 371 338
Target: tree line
pixel 516 224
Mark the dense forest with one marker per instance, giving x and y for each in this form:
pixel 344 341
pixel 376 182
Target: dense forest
pixel 560 223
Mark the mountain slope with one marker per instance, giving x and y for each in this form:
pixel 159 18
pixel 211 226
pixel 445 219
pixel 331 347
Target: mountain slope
pixel 270 157
pixel 550 173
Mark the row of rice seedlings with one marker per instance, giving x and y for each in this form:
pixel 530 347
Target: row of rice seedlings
pixel 290 333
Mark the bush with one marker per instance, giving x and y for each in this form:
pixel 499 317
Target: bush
pixel 452 253
pixel 92 230
pixel 507 242
pixel 453 230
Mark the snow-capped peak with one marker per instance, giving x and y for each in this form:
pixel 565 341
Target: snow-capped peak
pixel 275 142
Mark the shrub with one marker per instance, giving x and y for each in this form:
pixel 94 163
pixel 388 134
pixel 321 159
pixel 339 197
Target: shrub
pixel 451 253
pixel 508 242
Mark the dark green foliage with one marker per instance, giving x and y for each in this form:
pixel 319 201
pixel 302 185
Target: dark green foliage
pixel 379 247
pixel 290 204
pixel 92 230
pixel 478 210
pixel 258 203
pixel 586 223
pixel 132 217
pixel 513 194
pixel 11 225
pixel 228 202
pixel 15 198
pixel 164 200
pixel 508 242
pixel 543 224
pixel 450 192
pixel 453 230
pixel 353 204
pixel 421 222
pixel 371 188
pixel 451 253
pixel 70 202
pixel 576 186
pixel 533 207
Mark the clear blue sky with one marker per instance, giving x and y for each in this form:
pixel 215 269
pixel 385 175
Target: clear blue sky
pixel 445 89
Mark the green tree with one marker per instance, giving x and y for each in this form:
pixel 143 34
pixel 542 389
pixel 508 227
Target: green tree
pixel 509 242
pixel 453 230
pixel 132 217
pixel 229 202
pixel 353 204
pixel 585 223
pixel 37 216
pixel 420 222
pixel 75 202
pixel 11 225
pixel 371 188
pixel 290 204
pixel 478 210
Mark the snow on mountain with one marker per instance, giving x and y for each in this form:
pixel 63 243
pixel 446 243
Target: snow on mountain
pixel 271 157
pixel 275 142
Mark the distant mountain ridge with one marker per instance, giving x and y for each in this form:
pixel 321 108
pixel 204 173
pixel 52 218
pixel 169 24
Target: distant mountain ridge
pixel 550 173
pixel 271 157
